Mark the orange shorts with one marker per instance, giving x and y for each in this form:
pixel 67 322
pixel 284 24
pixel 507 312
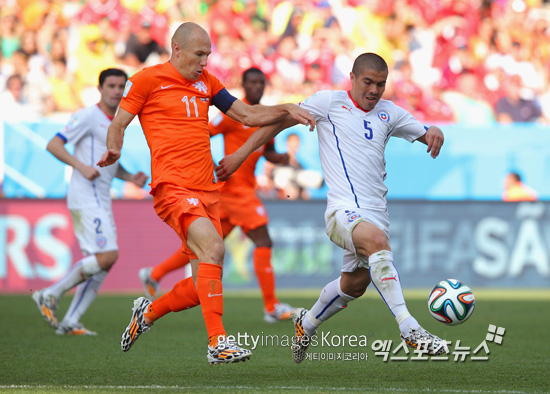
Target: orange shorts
pixel 179 207
pixel 245 211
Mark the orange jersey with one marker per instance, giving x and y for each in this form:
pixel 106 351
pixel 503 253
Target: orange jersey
pixel 235 134
pixel 173 113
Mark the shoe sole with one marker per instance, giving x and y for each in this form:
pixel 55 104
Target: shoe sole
pixel 45 312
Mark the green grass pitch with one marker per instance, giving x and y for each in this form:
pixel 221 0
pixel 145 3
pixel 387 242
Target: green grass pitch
pixel 171 358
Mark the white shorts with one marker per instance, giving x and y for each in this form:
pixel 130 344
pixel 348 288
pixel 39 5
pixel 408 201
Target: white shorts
pixel 95 230
pixel 341 221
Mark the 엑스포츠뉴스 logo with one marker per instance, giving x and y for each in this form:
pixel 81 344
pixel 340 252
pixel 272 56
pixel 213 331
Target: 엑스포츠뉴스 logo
pixel 383 116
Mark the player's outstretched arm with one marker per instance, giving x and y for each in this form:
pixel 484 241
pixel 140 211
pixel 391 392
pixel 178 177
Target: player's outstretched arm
pixel 229 164
pixel 262 115
pixel 434 139
pixel 115 137
pixel 56 147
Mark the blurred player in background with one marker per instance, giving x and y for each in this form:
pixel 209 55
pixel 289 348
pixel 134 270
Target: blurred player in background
pixel 516 190
pixel 172 100
pixel 354 128
pixel 89 201
pixel 239 205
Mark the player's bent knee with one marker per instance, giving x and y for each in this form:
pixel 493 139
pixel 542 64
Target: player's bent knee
pixel 212 254
pixel 107 259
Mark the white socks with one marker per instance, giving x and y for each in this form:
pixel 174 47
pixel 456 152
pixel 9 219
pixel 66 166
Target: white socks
pixel 331 301
pixel 80 272
pixel 85 294
pixel 385 278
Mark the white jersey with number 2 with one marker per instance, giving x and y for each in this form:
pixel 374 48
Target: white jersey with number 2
pixel 87 131
pixel 352 143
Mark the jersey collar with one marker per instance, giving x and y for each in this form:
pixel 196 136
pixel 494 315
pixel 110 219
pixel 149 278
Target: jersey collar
pixel 108 116
pixel 357 105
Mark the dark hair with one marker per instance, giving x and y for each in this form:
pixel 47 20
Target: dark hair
pixel 369 61
pixel 109 73
pixel 252 70
pixel 515 176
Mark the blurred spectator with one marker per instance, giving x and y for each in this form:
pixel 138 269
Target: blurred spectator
pixel 468 101
pixel 293 180
pixel 37 91
pixel 302 45
pixel 9 34
pixel 225 20
pixel 513 108
pixel 437 110
pixel 141 46
pixel 36 60
pixel 90 61
pixel 152 13
pixel 65 96
pixel 95 10
pixel 13 104
pixel 516 190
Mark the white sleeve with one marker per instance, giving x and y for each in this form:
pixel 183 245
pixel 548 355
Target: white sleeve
pixel 406 126
pixel 318 104
pixel 76 128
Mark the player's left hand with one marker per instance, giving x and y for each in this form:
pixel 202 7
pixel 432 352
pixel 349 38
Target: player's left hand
pixel 108 158
pixel 228 165
pixel 434 140
pixel 139 179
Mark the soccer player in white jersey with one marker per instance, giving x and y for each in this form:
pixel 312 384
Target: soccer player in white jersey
pixel 354 128
pixel 89 201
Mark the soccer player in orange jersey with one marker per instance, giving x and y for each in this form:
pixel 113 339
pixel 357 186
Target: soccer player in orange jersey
pixel 239 205
pixel 172 101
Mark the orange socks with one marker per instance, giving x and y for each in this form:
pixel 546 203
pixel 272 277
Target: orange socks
pixel 177 260
pixel 182 296
pixel 210 291
pixel 266 279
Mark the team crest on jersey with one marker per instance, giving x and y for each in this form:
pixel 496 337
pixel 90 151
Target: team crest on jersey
pixel 352 215
pixel 260 210
pixel 384 116
pixel 200 86
pixel 193 201
pixel 127 88
pixel 101 241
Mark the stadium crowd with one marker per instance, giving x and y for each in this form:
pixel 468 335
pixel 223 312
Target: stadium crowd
pixel 451 60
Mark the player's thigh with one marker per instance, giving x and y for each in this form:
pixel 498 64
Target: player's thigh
pixel 341 223
pixel 205 241
pixel 95 230
pixel 368 238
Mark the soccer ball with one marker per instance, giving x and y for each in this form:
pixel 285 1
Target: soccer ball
pixel 451 302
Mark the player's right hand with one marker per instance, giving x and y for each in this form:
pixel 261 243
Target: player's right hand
pixel 228 165
pixel 89 172
pixel 108 158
